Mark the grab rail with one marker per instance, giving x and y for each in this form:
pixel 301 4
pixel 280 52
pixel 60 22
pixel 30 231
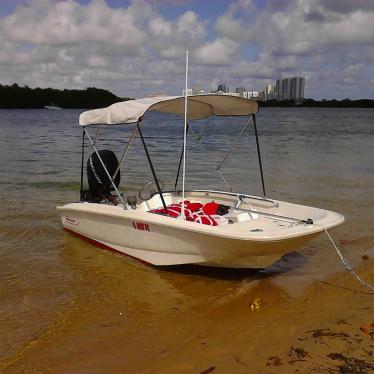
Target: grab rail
pixel 241 196
pixel 307 221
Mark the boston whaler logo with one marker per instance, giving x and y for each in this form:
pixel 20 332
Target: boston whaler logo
pixel 94 171
pixel 141 226
pixel 71 221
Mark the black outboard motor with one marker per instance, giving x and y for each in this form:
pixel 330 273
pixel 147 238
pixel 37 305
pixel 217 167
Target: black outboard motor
pixel 99 184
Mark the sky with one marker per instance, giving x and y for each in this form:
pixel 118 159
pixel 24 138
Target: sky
pixel 137 47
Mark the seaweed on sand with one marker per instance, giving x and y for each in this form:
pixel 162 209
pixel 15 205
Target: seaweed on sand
pixel 319 333
pixel 351 364
pixel 297 354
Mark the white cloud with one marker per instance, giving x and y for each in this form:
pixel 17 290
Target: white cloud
pixel 231 26
pixel 66 44
pixel 347 6
pixel 228 26
pixel 170 39
pixel 136 50
pixel 67 22
pixel 159 27
pixel 291 34
pixel 221 51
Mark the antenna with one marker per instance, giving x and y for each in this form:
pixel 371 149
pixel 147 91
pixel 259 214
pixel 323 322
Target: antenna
pixel 184 138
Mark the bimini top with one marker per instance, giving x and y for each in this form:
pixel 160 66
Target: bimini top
pixel 199 106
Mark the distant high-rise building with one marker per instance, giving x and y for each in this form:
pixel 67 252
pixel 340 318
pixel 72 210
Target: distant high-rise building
pixel 279 89
pixel 297 88
pixel 240 90
pixel 189 92
pixel 223 88
pixel 290 89
pixel 197 90
pixel 251 94
pixel 268 92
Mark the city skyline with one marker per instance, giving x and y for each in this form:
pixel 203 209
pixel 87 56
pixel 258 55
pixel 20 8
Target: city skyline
pixel 137 47
pixel 283 89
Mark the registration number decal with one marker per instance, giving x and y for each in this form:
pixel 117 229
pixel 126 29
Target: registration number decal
pixel 71 221
pixel 141 226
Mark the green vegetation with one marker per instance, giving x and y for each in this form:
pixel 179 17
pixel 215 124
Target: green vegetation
pixel 16 97
pixel 310 103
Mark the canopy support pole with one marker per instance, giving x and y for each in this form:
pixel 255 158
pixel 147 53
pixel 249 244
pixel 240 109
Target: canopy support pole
pixel 180 162
pixel 82 162
pixel 150 164
pixel 224 180
pixel 200 135
pixel 106 170
pixel 259 155
pixel 97 135
pixel 125 151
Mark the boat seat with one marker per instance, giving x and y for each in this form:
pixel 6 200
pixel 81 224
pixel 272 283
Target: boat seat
pixel 156 202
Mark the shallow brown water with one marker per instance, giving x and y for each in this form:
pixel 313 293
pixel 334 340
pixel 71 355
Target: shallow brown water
pixel 68 307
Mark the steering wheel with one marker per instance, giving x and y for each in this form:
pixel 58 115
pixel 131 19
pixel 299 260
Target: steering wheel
pixel 150 189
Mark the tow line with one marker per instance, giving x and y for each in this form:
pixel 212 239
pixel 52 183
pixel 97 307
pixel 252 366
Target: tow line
pixel 347 265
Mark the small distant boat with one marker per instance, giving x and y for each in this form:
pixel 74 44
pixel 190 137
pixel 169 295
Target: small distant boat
pixel 52 107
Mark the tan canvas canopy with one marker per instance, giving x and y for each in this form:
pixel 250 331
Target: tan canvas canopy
pixel 199 106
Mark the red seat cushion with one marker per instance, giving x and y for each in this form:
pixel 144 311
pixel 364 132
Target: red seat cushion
pixel 194 207
pixel 210 208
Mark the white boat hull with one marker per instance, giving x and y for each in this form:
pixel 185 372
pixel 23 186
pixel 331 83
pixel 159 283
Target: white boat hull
pixel 161 240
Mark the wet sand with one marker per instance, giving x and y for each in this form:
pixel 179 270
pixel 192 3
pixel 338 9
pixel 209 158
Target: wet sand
pixel 202 321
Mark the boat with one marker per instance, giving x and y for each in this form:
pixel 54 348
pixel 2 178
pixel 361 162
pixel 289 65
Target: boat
pixel 173 227
pixel 52 107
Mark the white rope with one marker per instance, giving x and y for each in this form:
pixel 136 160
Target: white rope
pixel 346 264
pixel 218 168
pixel 234 143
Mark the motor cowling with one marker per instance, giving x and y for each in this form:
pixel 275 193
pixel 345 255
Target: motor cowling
pixel 98 181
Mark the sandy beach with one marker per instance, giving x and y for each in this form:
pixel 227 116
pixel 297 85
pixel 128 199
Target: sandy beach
pixel 325 329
